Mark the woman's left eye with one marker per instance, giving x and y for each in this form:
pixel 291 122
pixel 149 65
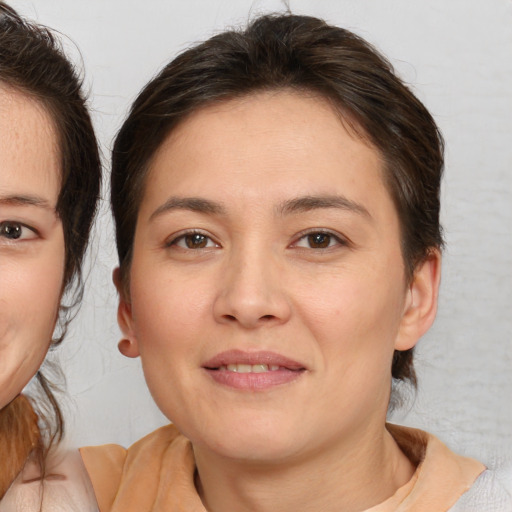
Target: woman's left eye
pixel 193 241
pixel 319 240
pixel 15 231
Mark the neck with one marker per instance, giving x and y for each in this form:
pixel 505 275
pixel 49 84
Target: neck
pixel 352 475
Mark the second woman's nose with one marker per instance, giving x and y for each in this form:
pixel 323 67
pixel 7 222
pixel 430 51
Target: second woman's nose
pixel 251 292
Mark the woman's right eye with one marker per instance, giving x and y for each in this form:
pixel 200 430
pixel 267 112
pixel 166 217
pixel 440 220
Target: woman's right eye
pixel 15 231
pixel 193 241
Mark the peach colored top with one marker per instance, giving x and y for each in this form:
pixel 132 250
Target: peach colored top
pixel 156 474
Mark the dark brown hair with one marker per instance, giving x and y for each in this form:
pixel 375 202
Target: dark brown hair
pixel 33 63
pixel 307 55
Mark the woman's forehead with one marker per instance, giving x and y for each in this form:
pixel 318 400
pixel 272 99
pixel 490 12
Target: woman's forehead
pixel 265 150
pixel 28 147
pixel 285 98
pixel 277 129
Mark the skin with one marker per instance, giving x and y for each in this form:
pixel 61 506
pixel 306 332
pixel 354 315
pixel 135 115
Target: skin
pixel 259 283
pixel 31 239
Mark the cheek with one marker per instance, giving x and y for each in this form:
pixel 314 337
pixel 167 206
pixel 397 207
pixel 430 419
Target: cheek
pixel 30 295
pixel 171 315
pixel 27 317
pixel 168 312
pixel 354 322
pixel 354 313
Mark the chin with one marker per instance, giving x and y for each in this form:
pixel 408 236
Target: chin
pixel 255 441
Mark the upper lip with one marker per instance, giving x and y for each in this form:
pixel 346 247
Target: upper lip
pixel 252 358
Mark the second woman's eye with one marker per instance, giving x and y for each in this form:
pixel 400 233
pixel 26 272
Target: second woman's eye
pixel 14 231
pixel 193 241
pixel 319 240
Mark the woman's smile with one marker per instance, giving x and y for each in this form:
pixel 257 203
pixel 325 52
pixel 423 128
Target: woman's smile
pixel 252 371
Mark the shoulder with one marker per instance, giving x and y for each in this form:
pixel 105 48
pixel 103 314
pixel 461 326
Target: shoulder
pixel 109 459
pixel 492 492
pixel 453 480
pixel 111 466
pixel 442 475
pixel 66 487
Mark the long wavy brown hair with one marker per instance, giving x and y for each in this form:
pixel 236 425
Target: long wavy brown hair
pixel 33 63
pixel 20 436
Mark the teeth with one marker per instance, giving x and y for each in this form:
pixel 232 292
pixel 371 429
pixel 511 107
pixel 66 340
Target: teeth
pixel 240 368
pixel 248 368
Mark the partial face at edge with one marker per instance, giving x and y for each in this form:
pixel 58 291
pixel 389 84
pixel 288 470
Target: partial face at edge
pixel 266 236
pixel 31 239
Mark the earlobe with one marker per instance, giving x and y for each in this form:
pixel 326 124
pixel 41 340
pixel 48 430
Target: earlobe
pixel 128 346
pixel 421 302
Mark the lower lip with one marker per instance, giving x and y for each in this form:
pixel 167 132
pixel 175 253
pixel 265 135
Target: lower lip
pixel 254 381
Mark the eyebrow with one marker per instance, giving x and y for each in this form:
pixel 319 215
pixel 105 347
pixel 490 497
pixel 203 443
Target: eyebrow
pixel 195 204
pixel 24 200
pixel 297 205
pixel 308 203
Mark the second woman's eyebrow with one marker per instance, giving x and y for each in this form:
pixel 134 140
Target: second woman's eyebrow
pixel 195 204
pixel 307 203
pixel 296 205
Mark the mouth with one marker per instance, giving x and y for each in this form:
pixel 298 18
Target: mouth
pixel 248 368
pixel 252 362
pixel 250 371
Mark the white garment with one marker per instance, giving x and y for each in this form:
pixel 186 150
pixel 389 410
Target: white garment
pixel 67 487
pixel 491 492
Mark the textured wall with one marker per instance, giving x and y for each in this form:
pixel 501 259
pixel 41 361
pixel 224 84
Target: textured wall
pixel 457 55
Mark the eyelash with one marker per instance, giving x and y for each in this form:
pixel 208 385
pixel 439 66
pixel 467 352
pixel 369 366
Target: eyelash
pixel 6 224
pixel 325 233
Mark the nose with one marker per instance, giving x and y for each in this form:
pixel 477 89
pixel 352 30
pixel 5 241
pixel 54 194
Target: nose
pixel 252 292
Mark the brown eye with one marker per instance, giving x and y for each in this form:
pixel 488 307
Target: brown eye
pixel 196 241
pixel 192 240
pixel 319 240
pixel 10 230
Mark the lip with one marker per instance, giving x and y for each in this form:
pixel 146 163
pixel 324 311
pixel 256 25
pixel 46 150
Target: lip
pixel 261 357
pixel 288 371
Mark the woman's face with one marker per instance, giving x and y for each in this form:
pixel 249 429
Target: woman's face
pixel 31 239
pixel 267 288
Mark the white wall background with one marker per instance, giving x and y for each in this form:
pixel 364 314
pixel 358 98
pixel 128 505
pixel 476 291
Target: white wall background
pixel 457 55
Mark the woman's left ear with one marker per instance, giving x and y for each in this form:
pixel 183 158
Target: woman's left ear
pixel 420 306
pixel 128 346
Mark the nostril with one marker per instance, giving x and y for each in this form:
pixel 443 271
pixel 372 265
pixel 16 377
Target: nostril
pixel 233 318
